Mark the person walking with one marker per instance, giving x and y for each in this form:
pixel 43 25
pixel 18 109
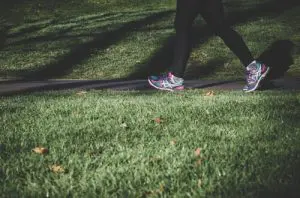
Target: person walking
pixel 212 11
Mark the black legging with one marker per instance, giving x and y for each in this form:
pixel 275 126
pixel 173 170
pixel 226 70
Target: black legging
pixel 213 13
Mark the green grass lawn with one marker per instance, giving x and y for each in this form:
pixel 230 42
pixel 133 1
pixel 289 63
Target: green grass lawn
pixel 111 146
pixel 143 143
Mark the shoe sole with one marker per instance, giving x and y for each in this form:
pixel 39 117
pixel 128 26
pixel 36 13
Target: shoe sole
pixel 259 80
pixel 159 88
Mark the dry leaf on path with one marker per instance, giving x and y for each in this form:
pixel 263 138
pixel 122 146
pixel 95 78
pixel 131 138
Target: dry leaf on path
pixel 56 168
pixel 40 150
pixel 210 93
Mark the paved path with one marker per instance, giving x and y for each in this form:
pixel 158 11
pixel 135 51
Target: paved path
pixel 12 87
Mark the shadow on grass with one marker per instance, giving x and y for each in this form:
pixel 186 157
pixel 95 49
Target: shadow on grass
pixel 3 36
pixel 265 182
pixel 61 34
pixel 276 170
pixel 279 57
pixel 66 63
pixel 196 70
pixel 4 28
pixel 262 164
pixel 161 60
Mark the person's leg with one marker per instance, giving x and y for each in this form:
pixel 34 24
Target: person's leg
pixel 213 13
pixel 186 12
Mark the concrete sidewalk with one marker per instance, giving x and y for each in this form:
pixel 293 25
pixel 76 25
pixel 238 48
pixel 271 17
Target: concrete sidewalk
pixel 15 87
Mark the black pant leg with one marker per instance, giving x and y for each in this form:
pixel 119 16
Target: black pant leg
pixel 186 12
pixel 213 13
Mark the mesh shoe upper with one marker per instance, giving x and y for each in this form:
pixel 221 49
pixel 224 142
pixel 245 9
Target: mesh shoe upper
pixel 166 82
pixel 255 73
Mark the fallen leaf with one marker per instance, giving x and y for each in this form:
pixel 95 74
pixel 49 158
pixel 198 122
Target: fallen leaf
pixel 197 152
pixel 173 142
pixel 199 183
pixel 148 193
pixel 210 93
pixel 158 120
pixel 40 150
pixel 80 93
pixel 155 192
pixel 161 188
pixel 57 168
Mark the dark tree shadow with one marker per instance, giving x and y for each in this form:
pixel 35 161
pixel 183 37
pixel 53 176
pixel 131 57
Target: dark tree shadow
pixel 61 34
pixel 53 85
pixel 3 36
pixel 66 63
pixel 161 60
pixel 4 28
pixel 57 36
pixel 195 70
pixel 279 58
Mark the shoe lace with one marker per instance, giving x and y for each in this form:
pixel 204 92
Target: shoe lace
pixel 251 74
pixel 164 76
pixel 167 80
